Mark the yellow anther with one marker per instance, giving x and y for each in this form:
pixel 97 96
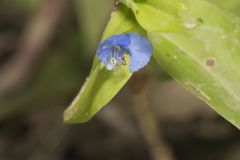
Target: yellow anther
pixel 113 60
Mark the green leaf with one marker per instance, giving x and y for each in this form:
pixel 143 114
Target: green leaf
pixel 233 6
pixel 206 59
pixel 102 84
pixel 157 15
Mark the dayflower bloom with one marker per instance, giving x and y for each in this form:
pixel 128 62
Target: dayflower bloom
pixel 111 51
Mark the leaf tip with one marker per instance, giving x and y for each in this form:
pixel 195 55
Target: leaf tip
pixel 70 116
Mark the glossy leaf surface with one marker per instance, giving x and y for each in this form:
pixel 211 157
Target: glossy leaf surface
pixel 205 59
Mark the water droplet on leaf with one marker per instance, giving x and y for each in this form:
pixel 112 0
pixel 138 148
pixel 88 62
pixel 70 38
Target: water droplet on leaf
pixel 194 24
pixel 175 57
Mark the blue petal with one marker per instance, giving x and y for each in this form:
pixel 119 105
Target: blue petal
pixel 105 47
pixel 140 50
pixel 121 40
pixel 136 45
pixel 103 54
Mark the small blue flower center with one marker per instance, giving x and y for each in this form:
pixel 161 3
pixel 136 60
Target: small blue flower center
pixel 116 56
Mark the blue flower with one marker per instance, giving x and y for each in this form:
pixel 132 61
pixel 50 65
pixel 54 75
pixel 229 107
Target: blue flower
pixel 111 51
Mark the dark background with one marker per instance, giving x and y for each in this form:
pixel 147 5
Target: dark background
pixel 46 51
